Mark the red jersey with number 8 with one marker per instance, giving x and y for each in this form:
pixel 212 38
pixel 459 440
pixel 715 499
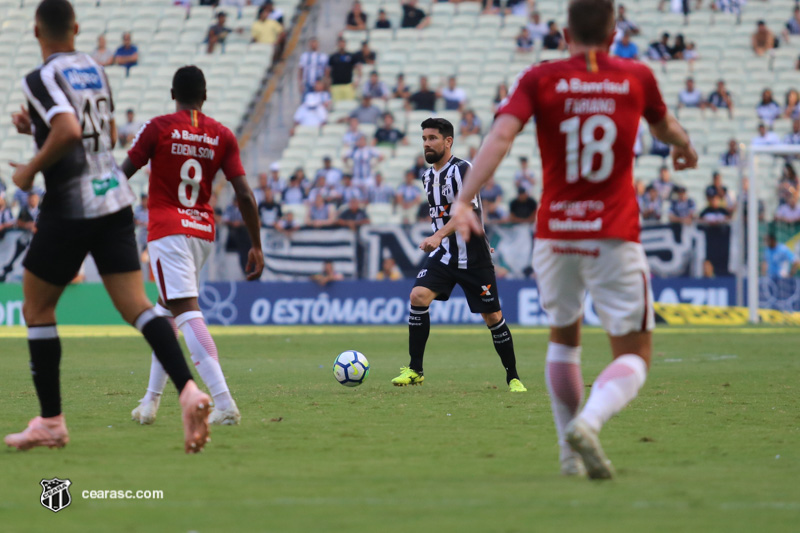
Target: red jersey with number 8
pixel 587 110
pixel 186 150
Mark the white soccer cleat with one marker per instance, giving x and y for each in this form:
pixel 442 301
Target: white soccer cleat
pixel 145 413
pixel 572 465
pixel 225 417
pixel 584 441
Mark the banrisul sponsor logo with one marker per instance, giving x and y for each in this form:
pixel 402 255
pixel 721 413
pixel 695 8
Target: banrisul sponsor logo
pixel 84 78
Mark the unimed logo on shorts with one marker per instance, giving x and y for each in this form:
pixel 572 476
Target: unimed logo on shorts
pixel 55 494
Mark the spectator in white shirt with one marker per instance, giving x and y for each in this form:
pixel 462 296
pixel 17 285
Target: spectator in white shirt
pixel 690 96
pixel 379 192
pixel 374 87
pixel 768 109
pixel 793 137
pixel 408 198
pixel 454 97
pixel 537 28
pixel 275 182
pixel 312 66
pixel 128 130
pixel 524 178
pixel 765 137
pixel 313 112
pixel 731 158
pixel 624 24
pixel 332 174
pixel 101 54
pixel 790 211
pixel 792 25
pixel 352 134
pixel 664 184
pixel 362 157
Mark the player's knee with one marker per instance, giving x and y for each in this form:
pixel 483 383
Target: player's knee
pixel 421 298
pixel 37 314
pixel 492 318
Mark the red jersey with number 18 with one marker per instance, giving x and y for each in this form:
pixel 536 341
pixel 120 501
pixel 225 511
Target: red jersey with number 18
pixel 587 110
pixel 186 150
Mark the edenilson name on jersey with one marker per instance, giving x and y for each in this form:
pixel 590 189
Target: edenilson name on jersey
pixel 198 152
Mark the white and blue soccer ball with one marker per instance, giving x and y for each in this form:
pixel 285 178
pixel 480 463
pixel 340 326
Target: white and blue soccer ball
pixel 351 368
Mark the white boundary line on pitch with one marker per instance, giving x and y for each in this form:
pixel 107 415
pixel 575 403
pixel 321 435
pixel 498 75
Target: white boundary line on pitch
pixel 20 332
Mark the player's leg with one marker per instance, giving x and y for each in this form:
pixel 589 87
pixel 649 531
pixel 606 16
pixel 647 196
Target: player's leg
pixel 619 282
pixel 189 319
pixel 39 310
pixel 561 293
pixel 147 410
pixel 480 289
pixel 114 250
pixel 434 281
pixel 177 261
pixel 54 257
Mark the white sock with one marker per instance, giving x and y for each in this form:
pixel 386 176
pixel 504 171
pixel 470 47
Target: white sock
pixel 565 383
pixel 204 355
pixel 158 377
pixel 613 389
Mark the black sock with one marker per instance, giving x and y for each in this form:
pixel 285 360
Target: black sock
pixel 45 348
pixel 158 332
pixel 504 345
pixel 419 327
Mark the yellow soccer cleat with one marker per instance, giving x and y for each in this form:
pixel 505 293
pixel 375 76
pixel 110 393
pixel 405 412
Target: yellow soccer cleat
pixel 516 385
pixel 408 377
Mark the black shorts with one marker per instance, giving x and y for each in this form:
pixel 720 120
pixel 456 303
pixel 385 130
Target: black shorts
pixel 60 245
pixel 479 284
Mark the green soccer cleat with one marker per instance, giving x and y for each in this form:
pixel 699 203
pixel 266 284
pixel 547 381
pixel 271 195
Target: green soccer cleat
pixel 408 377
pixel 516 385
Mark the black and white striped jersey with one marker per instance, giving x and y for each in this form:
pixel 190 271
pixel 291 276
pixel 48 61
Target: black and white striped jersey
pixel 442 188
pixel 86 182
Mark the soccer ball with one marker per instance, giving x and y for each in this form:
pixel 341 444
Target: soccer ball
pixel 351 368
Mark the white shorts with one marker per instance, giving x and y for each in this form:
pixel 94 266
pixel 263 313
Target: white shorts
pixel 615 273
pixel 176 261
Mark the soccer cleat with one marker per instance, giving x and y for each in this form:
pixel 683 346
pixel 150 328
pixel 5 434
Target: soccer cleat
pixel 225 417
pixel 194 412
pixel 572 465
pixel 516 385
pixel 408 377
pixel 145 412
pixel 50 432
pixel 584 441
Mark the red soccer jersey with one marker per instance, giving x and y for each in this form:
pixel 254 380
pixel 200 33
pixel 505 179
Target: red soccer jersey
pixel 587 110
pixel 186 150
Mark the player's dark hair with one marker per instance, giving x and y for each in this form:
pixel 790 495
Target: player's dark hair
pixel 189 85
pixel 591 22
pixel 444 126
pixel 56 18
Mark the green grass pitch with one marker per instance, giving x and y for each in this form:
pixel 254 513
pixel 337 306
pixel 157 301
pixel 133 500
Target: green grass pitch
pixel 711 444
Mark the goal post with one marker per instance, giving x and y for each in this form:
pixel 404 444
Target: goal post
pixel 764 163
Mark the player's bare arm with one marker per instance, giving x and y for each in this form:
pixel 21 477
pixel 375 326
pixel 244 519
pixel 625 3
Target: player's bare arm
pixel 491 153
pixel 670 131
pixel 65 132
pixel 433 242
pixel 249 210
pixel 112 127
pixel 128 168
pixel 22 121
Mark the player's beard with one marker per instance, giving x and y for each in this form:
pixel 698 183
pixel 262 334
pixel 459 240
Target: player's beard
pixel 433 157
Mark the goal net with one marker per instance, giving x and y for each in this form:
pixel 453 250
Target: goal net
pixel 768 229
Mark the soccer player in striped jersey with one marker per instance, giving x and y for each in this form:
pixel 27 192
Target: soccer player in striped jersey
pixel 87 209
pixel 452 261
